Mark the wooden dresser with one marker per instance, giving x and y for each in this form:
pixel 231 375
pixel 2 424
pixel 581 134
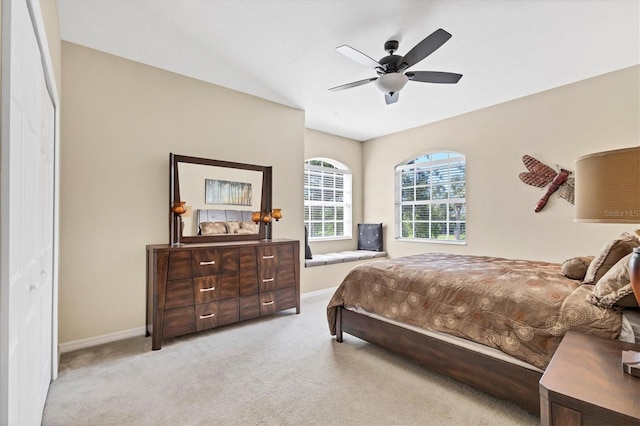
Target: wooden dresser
pixel 202 286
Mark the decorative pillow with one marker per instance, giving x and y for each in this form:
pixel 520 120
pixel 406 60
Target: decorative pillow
pixel 213 228
pixel 613 286
pixel 233 227
pixel 576 267
pixel 610 255
pixel 249 226
pixel 370 236
pixel 307 249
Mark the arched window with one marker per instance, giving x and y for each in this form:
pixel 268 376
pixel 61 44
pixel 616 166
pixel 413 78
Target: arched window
pixel 327 199
pixel 430 198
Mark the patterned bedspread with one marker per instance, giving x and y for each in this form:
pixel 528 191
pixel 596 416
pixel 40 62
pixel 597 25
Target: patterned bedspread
pixel 521 307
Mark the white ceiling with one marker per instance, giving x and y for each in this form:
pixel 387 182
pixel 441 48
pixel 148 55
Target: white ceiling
pixel 284 50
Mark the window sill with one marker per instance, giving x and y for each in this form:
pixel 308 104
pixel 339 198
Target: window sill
pixel 319 240
pixel 424 240
pixel 321 259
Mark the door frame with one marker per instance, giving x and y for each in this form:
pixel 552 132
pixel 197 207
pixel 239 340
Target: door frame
pixel 37 21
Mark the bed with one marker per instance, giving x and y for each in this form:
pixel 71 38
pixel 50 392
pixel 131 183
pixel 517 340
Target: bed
pixel 489 322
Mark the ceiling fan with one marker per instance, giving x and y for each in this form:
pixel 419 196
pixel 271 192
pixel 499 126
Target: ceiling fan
pixel 391 69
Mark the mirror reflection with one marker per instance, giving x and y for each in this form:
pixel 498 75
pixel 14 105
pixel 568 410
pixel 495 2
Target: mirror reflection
pixel 219 200
pixel 213 200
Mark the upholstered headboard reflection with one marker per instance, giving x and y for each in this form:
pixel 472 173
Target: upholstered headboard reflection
pixel 224 222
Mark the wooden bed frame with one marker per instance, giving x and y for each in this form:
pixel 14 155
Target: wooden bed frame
pixel 499 378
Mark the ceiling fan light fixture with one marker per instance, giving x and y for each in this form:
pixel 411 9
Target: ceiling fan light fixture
pixel 392 82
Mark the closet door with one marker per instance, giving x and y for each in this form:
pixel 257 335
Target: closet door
pixel 27 260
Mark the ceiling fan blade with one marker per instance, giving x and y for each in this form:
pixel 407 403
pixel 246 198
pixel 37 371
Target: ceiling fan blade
pixel 391 99
pixel 354 84
pixel 434 77
pixel 425 48
pixel 358 56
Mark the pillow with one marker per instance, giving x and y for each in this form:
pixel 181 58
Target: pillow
pixel 213 228
pixel 249 226
pixel 233 227
pixel 307 249
pixel 610 255
pixel 576 267
pixel 613 286
pixel 370 236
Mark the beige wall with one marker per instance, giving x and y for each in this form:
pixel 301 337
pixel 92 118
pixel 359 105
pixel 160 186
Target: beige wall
pixel 555 127
pixel 120 120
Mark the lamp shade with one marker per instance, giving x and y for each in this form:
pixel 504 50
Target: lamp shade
pixel 607 186
pixel 392 82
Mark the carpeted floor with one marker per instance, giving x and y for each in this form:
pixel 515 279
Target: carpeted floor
pixel 284 369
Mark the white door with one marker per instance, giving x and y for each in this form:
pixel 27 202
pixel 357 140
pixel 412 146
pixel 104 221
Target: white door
pixel 27 255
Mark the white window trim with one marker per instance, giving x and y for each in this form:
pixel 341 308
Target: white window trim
pixel 398 203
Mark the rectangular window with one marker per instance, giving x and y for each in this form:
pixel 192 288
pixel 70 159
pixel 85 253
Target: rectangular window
pixel 430 198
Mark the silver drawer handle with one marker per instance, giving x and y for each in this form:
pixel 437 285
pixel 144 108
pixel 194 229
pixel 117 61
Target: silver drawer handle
pixel 267 257
pixel 211 262
pixel 268 303
pixel 202 290
pixel 207 316
pixel 267 280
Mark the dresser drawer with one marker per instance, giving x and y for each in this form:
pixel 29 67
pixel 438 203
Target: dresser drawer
pixel 248 272
pixel 179 293
pixel 215 314
pixel 228 286
pixel 275 278
pixel 249 307
pixel 275 255
pixel 206 316
pixel 278 300
pixel 228 311
pixel 179 265
pixel 214 262
pixel 206 289
pixel 248 281
pixel 286 299
pixel 179 321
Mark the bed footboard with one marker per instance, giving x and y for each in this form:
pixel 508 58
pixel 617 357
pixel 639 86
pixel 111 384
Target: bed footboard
pixel 493 376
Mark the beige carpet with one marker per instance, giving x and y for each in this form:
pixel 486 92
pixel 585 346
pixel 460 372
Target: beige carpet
pixel 284 369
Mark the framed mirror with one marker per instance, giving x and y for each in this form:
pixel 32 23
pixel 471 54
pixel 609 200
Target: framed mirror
pixel 213 200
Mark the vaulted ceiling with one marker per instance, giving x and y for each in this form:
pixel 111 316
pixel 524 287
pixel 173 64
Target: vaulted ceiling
pixel 285 50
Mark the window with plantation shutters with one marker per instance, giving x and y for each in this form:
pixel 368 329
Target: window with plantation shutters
pixel 327 199
pixel 430 198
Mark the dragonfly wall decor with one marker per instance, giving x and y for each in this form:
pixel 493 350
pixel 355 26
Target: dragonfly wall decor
pixel 541 175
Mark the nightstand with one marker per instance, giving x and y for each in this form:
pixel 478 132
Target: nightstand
pixel 584 384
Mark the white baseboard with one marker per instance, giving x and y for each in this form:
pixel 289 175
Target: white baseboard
pixel 99 340
pixel 318 292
